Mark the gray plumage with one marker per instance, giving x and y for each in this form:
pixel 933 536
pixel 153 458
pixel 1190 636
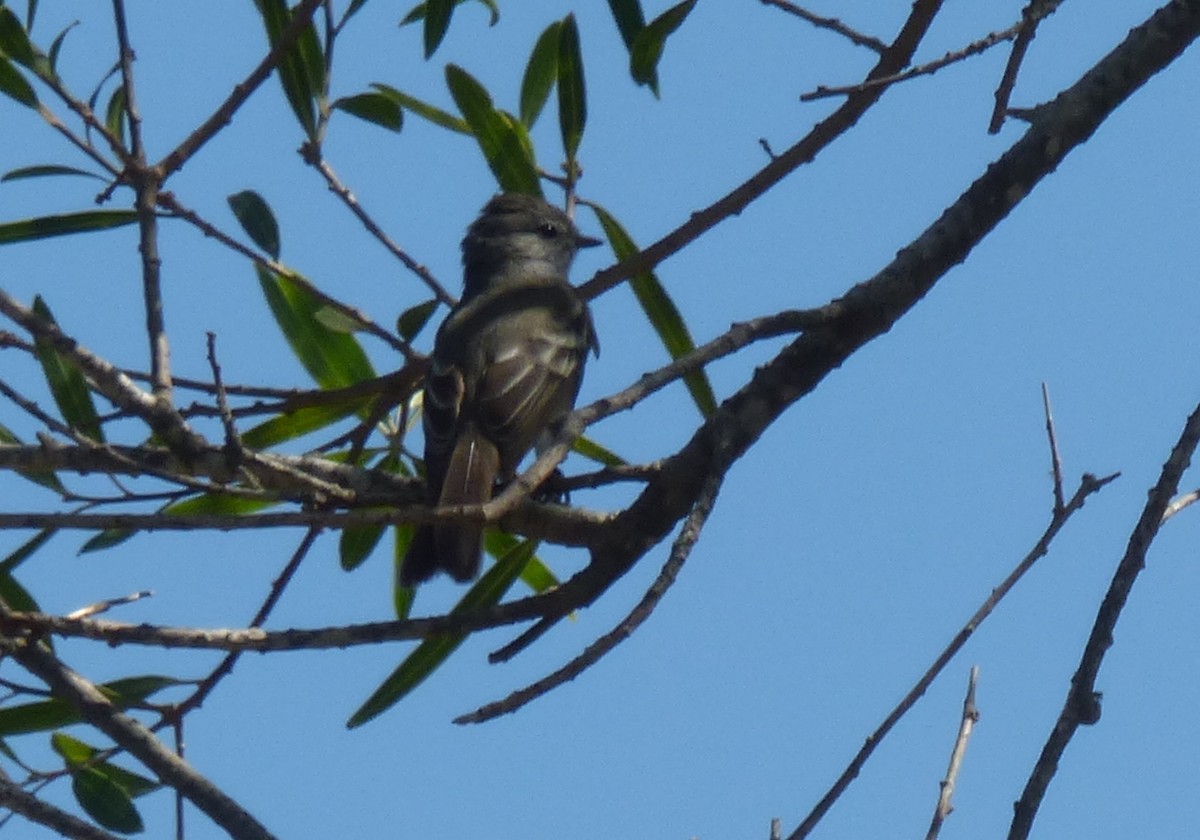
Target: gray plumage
pixel 506 367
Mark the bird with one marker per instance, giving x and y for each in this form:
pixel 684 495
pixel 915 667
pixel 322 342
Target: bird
pixel 506 367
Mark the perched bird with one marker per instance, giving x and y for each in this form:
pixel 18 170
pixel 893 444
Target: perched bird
pixel 506 367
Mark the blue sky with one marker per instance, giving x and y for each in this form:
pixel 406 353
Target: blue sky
pixel 846 548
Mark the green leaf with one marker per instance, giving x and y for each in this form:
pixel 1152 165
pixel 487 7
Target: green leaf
pixel 572 95
pixel 540 73
pixel 66 382
pixel 43 227
pixel 333 359
pixel 16 596
pixel 413 320
pixel 417 12
pixel 256 218
pixel 629 19
pixel 374 108
pixel 44 715
pixel 430 653
pixel 45 170
pixel 56 45
pixel 356 544
pixel 76 753
pixel 593 451
pixel 302 68
pixel 108 538
pixel 536 575
pixel 402 596
pixel 437 21
pixel 660 310
pixel 47 479
pixel 648 44
pixel 217 504
pixel 14 85
pixel 339 321
pixel 423 109
pixel 302 421
pixel 25 551
pixel 503 139
pixel 114 113
pixel 105 801
pixel 14 40
pixel 31 10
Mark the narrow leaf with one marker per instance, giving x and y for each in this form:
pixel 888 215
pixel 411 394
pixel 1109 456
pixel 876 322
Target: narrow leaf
pixel 77 753
pixel 302 421
pixel 629 19
pixel 66 382
pixel 217 504
pixel 26 550
pixel 47 479
pixel 423 109
pixel 593 451
pixel 437 21
pixel 417 12
pixel 356 544
pixel 572 95
pixel 14 40
pixel 14 85
pixel 105 801
pixel 301 68
pixel 536 574
pixel 108 538
pixel 44 715
pixel 502 139
pixel 56 45
pixel 44 227
pixel 256 218
pixel 413 320
pixel 660 311
pixel 46 170
pixel 540 73
pixel 333 359
pixel 114 113
pixel 648 44
pixel 374 108
pixel 430 653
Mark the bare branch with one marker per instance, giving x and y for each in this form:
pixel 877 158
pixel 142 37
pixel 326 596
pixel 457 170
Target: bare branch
pixel 832 24
pixel 301 18
pixel 1082 706
pixel 893 59
pixel 1031 16
pixel 680 551
pixel 970 716
pixel 1055 460
pixel 1087 486
pixel 13 798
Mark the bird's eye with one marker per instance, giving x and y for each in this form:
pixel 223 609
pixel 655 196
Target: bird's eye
pixel 548 230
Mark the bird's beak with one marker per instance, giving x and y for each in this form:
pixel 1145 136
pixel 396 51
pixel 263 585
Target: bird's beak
pixel 582 241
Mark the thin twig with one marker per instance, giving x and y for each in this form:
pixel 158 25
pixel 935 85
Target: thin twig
pixel 893 59
pixel 1088 485
pixel 680 551
pixel 832 24
pixel 1082 706
pixel 1031 16
pixel 171 204
pixel 209 683
pixel 221 117
pixel 970 716
pixel 1055 460
pixel 348 198
pixel 18 801
pixel 106 605
pixel 974 48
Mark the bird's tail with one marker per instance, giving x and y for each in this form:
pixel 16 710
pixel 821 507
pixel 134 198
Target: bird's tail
pixel 455 546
